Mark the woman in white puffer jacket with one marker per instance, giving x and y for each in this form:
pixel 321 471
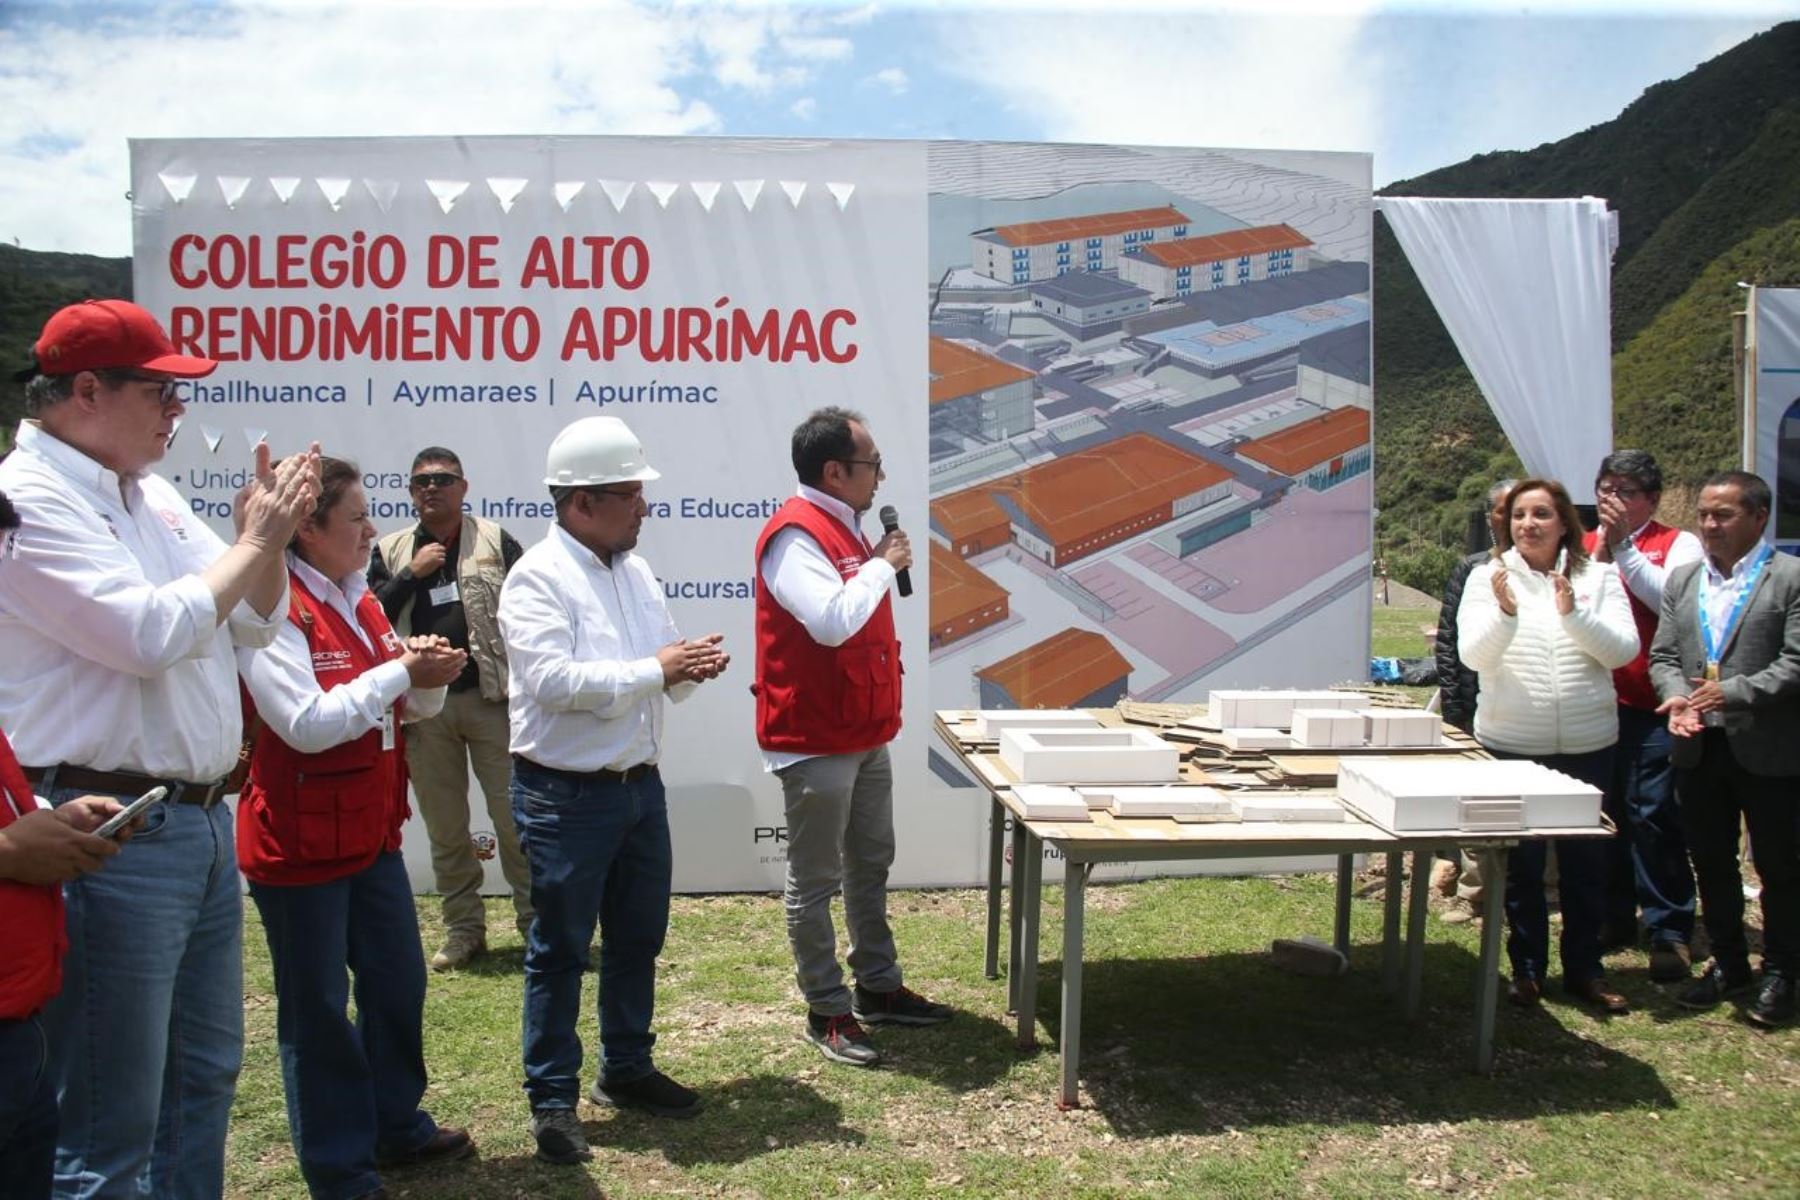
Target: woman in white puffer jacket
pixel 1544 626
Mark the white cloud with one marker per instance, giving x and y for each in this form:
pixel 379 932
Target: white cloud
pixel 1179 79
pixel 816 49
pixel 74 91
pixel 892 78
pixel 806 108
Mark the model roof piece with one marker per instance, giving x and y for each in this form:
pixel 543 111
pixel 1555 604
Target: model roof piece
pixel 1294 450
pixel 1087 493
pixel 1059 671
pixel 1222 247
pixel 958 370
pixel 958 590
pixel 1068 229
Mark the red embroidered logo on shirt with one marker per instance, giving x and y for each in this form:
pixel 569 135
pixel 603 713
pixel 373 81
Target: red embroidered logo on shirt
pixel 173 521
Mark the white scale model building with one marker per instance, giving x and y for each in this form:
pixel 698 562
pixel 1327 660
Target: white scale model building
pixel 1423 795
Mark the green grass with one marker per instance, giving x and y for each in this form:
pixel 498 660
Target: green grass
pixel 1400 632
pixel 1207 1072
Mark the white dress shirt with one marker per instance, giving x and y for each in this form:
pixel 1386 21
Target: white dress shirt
pixel 1645 579
pixel 287 693
pixel 584 689
pixel 1722 591
pixel 803 581
pixel 111 653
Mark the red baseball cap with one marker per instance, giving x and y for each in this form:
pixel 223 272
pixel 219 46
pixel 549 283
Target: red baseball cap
pixel 99 334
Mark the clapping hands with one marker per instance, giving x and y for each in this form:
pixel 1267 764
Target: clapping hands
pixel 693 660
pixel 431 661
pixel 271 506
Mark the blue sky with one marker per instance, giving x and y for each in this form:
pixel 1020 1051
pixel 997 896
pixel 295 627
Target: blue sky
pixel 1418 86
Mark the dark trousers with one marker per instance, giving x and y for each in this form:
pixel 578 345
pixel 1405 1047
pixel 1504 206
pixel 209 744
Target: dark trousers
pixel 27 1111
pixel 1581 885
pixel 1714 795
pixel 350 1088
pixel 1647 864
pixel 599 853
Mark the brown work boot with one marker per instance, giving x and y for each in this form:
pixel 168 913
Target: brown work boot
pixel 1459 912
pixel 461 947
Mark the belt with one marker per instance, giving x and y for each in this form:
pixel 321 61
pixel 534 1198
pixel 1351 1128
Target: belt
pixel 127 783
pixel 628 775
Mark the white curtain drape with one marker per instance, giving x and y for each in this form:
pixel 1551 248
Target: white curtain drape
pixel 1525 289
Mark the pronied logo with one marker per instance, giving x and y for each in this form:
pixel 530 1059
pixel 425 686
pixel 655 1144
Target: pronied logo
pixel 771 840
pixel 848 566
pixel 331 660
pixel 486 845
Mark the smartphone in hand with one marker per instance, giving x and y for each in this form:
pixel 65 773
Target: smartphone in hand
pixel 116 823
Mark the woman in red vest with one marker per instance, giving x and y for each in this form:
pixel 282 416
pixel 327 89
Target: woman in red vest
pixel 318 836
pixel 41 848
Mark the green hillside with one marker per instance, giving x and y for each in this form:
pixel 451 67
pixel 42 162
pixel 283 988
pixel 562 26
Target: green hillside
pixel 1704 172
pixel 34 284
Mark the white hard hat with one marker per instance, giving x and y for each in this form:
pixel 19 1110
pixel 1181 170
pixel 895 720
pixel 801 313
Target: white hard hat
pixel 596 450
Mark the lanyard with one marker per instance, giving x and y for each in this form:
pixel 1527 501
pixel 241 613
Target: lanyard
pixel 1715 649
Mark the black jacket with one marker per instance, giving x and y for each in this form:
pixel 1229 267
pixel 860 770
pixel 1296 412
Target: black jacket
pixel 1457 685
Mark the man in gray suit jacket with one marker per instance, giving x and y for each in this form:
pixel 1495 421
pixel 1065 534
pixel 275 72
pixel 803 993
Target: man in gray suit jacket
pixel 1726 665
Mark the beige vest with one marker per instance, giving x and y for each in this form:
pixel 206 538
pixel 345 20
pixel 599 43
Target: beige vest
pixel 480 573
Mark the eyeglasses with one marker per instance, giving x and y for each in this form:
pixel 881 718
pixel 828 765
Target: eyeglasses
pixel 167 392
pixel 863 462
pixel 434 479
pixel 1618 492
pixel 633 494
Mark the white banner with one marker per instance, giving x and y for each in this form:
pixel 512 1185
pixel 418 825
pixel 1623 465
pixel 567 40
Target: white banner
pixel 1165 398
pixel 1774 391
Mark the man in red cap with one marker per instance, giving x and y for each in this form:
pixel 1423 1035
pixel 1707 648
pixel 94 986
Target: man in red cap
pixel 119 611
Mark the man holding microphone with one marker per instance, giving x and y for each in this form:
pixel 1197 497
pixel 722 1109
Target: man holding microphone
pixel 827 704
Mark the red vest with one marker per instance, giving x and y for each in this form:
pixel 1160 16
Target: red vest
pixel 312 818
pixel 32 938
pixel 813 699
pixel 1632 681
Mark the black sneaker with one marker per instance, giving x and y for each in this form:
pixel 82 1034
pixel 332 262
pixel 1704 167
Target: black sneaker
pixel 841 1039
pixel 902 1006
pixel 1716 983
pixel 655 1094
pixel 560 1138
pixel 1774 1004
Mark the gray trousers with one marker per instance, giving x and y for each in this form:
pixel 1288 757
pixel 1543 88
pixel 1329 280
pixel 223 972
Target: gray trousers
pixel 439 752
pixel 840 820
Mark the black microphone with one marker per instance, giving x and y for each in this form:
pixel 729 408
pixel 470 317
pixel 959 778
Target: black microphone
pixel 890 521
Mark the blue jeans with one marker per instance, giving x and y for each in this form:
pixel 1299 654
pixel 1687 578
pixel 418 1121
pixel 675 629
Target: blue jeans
pixel 599 853
pixel 1581 884
pixel 148 1032
pixel 1647 864
pixel 27 1111
pixel 350 1088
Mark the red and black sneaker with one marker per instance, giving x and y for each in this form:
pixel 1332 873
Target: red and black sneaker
pixel 841 1039
pixel 902 1006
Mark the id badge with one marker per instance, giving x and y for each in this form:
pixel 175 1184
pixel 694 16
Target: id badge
pixel 444 593
pixel 1712 671
pixel 387 730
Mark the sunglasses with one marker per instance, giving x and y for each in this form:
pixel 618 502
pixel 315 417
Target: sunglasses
pixel 434 479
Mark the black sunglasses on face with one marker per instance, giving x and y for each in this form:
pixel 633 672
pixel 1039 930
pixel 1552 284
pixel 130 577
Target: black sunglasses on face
pixel 436 479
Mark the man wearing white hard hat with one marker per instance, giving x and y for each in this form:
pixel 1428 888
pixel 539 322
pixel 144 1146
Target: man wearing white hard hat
pixel 592 650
